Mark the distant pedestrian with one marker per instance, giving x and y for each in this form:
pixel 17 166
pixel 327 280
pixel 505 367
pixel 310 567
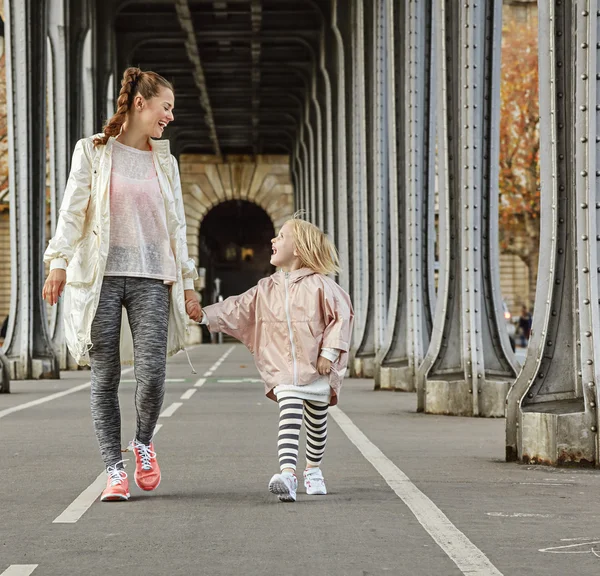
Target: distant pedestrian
pixel 120 242
pixel 525 325
pixel 297 323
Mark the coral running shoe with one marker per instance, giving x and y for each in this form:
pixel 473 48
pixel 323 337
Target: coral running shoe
pixel 117 485
pixel 147 472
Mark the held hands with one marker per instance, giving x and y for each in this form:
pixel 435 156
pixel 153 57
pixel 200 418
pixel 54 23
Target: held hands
pixel 54 285
pixel 323 365
pixel 192 306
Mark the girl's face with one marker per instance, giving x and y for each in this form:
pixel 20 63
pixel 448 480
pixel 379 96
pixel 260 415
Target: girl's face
pixel 284 252
pixel 153 115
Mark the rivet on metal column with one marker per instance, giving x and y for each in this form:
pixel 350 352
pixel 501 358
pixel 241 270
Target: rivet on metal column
pixel 469 365
pixel 552 407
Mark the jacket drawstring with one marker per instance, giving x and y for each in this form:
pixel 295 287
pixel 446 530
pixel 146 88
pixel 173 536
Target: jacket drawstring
pixel 190 362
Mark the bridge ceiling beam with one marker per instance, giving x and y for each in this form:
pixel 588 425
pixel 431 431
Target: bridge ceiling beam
pixel 239 59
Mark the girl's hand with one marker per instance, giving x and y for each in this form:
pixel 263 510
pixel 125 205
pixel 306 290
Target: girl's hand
pixel 54 285
pixel 323 365
pixel 192 306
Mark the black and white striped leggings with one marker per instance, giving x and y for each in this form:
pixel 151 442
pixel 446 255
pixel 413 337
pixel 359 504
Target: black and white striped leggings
pixel 291 413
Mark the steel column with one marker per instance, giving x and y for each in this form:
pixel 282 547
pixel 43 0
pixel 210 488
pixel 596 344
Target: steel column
pixel 340 198
pixel 552 415
pixel 27 344
pixel 469 365
pixel 364 352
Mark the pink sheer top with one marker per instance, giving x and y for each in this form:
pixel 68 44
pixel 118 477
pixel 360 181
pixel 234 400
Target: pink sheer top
pixel 139 237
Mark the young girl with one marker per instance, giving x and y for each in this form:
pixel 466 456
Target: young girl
pixel 297 323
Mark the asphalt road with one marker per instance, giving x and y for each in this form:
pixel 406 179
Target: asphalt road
pixel 409 494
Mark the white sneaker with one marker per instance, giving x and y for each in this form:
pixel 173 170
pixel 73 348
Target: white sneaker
pixel 314 482
pixel 285 486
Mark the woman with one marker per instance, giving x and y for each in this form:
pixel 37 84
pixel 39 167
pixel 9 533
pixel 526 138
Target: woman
pixel 120 243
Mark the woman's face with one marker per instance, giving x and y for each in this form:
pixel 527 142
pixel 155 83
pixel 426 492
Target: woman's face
pixel 156 113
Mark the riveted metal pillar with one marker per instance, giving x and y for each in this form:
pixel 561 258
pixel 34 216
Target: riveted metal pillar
pixel 410 314
pixel 469 365
pixel 340 198
pixel 27 344
pixel 60 143
pixel 364 351
pixel 104 59
pixel 389 243
pixel 552 415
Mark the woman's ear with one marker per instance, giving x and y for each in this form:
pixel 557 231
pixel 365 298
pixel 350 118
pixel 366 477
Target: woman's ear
pixel 138 103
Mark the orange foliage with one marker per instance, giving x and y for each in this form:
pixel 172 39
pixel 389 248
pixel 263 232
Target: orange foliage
pixel 519 145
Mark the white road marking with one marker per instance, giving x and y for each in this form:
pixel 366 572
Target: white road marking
pixel 83 502
pixel 166 380
pixel 200 383
pixel 207 374
pixel 50 397
pixel 518 515
pixel 467 557
pixel 168 412
pixel 19 570
pixel 586 547
pixel 188 394
pixel 238 380
pixel 56 395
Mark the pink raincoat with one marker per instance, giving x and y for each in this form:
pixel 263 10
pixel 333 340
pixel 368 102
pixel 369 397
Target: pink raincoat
pixel 284 321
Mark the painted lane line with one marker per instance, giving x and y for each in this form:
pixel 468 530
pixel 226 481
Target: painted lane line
pixel 188 394
pixel 207 374
pixel 19 570
pixel 84 501
pixel 166 380
pixel 200 382
pixel 49 398
pixel 56 395
pixel 168 412
pixel 467 557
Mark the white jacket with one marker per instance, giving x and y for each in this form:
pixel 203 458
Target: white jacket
pixel 81 241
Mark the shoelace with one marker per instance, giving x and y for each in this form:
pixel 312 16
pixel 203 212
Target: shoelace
pixel 116 475
pixel 145 455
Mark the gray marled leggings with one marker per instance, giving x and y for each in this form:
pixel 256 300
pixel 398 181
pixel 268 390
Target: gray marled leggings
pixel 147 304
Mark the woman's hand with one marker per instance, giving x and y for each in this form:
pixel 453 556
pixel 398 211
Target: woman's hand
pixel 54 285
pixel 323 365
pixel 192 306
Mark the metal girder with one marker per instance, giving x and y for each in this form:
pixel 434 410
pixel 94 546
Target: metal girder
pixel 255 47
pixel 410 311
pixel 27 343
pixel 360 202
pixel 552 415
pixel 185 20
pixel 340 200
pixel 469 365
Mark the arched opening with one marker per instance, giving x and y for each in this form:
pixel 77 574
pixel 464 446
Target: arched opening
pixel 235 248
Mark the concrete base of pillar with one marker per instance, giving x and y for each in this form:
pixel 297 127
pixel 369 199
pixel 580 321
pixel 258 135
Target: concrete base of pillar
pixel 364 367
pixel 559 435
pixel 455 398
pixel 399 378
pixel 42 368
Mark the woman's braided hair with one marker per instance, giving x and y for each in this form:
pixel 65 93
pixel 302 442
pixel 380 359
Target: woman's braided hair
pixel 134 82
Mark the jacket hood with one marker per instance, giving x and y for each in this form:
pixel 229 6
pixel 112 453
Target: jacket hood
pixel 294 276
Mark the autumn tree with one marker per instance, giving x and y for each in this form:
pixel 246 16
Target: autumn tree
pixel 519 147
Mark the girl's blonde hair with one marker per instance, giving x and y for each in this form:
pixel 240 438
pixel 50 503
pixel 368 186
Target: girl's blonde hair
pixel 315 250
